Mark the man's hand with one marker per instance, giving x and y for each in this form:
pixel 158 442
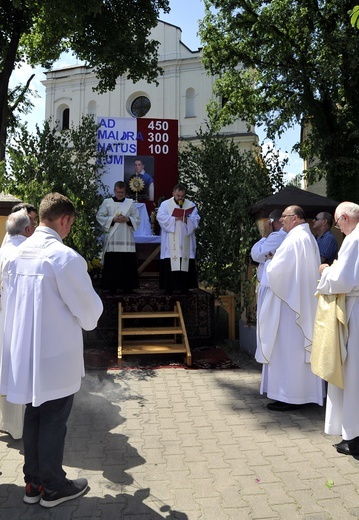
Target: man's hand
pixel 121 219
pixel 322 267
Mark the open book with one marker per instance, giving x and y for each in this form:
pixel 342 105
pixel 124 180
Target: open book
pixel 179 212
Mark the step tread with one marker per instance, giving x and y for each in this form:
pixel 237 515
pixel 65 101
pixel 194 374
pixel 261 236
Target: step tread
pixel 138 331
pixel 154 349
pixel 140 315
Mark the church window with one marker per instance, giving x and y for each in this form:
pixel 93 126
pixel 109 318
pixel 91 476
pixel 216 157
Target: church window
pixel 92 107
pixel 65 119
pixel 190 102
pixel 140 106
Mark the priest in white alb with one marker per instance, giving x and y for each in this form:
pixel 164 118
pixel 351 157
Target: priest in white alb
pixel 261 251
pixel 178 218
pixel 342 278
pixel 289 321
pixel 18 229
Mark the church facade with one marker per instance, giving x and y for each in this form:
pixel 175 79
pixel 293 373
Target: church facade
pixel 182 93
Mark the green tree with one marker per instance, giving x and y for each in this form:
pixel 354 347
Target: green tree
pixel 284 62
pixel 224 181
pixel 66 162
pixel 354 16
pixel 112 36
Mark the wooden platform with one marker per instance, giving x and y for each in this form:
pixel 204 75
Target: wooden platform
pixel 197 309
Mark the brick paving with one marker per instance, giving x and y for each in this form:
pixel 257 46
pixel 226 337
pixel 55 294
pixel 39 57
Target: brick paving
pixel 191 445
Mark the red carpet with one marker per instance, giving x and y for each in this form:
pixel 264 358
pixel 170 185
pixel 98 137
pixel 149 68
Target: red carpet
pixel 211 358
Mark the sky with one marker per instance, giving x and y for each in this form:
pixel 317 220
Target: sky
pixel 184 14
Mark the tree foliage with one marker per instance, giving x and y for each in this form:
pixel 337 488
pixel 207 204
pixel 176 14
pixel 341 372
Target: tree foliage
pixel 110 35
pixel 283 62
pixel 354 16
pixel 224 181
pixel 66 162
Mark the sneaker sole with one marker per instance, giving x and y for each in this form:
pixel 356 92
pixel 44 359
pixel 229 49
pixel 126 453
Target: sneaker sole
pixel 53 503
pixel 31 500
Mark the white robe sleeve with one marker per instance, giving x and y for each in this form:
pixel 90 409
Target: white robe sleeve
pixel 165 220
pixel 77 292
pixel 104 216
pixel 192 222
pixel 266 245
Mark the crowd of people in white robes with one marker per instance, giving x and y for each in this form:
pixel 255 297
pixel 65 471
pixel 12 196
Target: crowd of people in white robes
pixel 47 299
pixel 287 315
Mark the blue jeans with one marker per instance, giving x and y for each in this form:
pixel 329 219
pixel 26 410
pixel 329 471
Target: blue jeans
pixel 44 442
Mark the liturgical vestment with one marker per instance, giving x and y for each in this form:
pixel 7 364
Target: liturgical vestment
pixel 342 277
pixel 292 278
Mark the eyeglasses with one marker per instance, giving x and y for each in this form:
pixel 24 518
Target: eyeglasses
pixel 318 218
pixel 336 222
pixel 271 220
pixel 289 215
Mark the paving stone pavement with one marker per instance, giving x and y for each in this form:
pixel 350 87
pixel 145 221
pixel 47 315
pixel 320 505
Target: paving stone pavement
pixel 191 445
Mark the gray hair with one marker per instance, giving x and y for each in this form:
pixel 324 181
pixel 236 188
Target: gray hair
pixel 350 208
pixel 17 222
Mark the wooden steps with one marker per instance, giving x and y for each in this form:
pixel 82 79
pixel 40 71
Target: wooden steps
pixel 171 339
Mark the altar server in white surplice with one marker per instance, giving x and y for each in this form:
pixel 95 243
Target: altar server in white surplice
pixel 119 219
pixel 18 228
pixel 289 321
pixel 178 218
pixel 262 251
pixel 342 277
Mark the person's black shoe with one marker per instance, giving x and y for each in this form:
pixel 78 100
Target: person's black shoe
pixel 278 406
pixel 350 447
pixel 354 446
pixel 342 447
pixel 71 489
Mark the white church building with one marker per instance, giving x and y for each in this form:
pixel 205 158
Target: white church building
pixel 183 92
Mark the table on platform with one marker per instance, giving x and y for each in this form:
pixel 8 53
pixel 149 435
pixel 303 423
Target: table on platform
pixel 147 245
